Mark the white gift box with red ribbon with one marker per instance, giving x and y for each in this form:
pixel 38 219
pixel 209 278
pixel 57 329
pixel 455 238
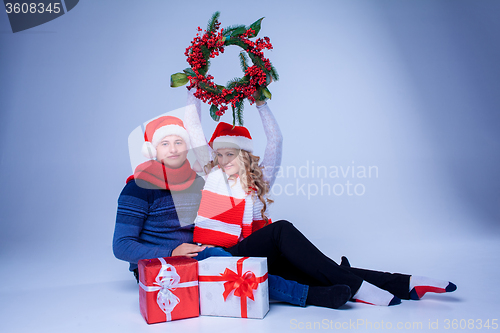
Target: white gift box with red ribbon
pixel 233 287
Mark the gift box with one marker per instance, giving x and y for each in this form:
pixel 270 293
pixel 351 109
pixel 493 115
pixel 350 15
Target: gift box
pixel 168 289
pixel 233 287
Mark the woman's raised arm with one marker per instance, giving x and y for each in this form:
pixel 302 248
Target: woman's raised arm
pixel 192 121
pixel 272 155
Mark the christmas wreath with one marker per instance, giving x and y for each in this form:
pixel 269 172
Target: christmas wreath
pixel 210 44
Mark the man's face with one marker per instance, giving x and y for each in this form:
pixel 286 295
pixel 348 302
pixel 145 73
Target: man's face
pixel 172 151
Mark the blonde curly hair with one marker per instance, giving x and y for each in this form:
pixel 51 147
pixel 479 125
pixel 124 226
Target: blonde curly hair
pixel 251 177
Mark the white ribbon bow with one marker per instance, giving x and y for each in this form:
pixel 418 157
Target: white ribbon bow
pixel 167 281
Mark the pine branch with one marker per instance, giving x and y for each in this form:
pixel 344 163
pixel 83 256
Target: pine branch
pixel 229 30
pixel 208 88
pixel 233 83
pixel 234 115
pixel 206 55
pixel 205 51
pixel 239 112
pixel 203 70
pixel 213 21
pixel 274 73
pixel 257 61
pixel 236 41
pixel 243 61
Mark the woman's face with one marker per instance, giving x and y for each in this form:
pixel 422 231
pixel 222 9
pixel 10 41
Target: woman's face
pixel 172 151
pixel 228 160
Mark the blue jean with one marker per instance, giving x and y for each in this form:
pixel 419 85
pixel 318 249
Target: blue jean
pixel 279 289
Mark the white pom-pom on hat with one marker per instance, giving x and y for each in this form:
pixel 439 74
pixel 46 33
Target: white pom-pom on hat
pixel 148 150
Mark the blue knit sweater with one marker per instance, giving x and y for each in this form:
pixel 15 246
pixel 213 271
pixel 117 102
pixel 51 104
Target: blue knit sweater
pixel 150 223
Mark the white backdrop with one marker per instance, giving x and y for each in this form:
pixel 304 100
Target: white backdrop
pixel 406 89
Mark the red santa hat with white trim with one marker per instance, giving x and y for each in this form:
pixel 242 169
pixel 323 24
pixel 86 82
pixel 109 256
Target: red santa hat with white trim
pixel 229 136
pixel 159 128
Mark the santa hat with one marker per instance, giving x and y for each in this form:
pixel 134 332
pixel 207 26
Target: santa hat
pixel 159 128
pixel 229 136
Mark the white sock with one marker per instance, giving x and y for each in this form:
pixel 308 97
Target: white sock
pixel 370 294
pixel 419 285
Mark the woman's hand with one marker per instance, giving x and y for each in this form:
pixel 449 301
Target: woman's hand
pixel 256 96
pixel 188 250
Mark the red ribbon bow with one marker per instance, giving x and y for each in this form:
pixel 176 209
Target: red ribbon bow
pixel 242 284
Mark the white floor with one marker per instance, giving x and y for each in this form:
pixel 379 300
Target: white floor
pixel 29 304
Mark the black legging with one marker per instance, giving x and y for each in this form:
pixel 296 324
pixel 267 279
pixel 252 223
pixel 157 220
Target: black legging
pixel 292 256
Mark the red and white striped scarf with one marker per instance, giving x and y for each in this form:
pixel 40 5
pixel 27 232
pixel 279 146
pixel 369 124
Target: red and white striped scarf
pixel 227 214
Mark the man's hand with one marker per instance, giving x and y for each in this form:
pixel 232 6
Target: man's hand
pixel 188 250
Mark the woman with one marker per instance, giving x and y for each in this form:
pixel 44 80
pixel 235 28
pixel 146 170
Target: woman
pixel 237 181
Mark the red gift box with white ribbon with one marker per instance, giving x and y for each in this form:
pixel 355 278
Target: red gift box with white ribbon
pixel 168 289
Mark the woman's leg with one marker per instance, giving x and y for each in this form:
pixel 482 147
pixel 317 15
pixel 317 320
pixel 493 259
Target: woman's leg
pixel 305 263
pixel 402 285
pixel 395 283
pixel 281 240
